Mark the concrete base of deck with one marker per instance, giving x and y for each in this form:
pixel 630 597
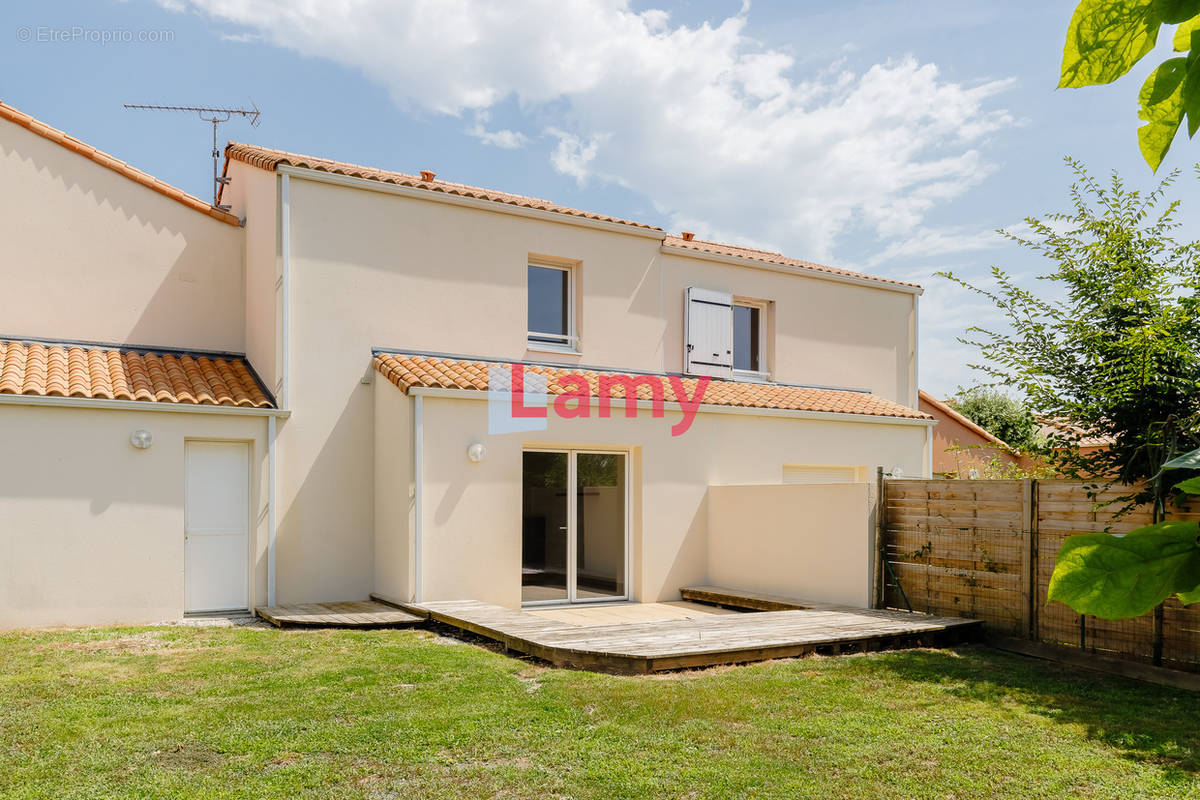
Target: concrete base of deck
pixel 692 640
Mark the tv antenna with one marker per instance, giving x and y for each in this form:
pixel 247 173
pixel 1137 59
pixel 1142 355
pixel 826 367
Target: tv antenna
pixel 216 116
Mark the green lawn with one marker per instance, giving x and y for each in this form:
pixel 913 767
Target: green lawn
pixel 242 712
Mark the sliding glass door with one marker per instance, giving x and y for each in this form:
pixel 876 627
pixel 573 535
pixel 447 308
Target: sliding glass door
pixel 574 545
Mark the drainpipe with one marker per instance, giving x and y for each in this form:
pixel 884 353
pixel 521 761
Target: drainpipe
pixel 418 458
pixel 271 510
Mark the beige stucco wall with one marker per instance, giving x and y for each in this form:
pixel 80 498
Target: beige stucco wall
pixel 394 493
pixel 369 269
pixel 256 188
pixel 95 256
pixel 804 541
pixel 471 515
pixel 91 528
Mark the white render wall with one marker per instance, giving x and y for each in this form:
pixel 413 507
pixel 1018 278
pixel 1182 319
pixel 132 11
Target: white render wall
pixel 471 515
pixel 91 528
pixel 370 269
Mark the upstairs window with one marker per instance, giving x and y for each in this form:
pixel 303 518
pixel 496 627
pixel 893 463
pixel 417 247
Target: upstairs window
pixel 725 336
pixel 551 307
pixel 748 321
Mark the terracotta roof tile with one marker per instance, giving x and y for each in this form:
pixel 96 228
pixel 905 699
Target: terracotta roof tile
pixel 771 257
pixel 11 114
pixel 111 373
pixel 407 371
pixel 269 159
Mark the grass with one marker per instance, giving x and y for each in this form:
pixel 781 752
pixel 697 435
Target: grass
pixel 249 713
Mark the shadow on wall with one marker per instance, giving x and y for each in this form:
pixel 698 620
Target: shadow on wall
pixel 165 274
pixel 325 536
pixel 683 571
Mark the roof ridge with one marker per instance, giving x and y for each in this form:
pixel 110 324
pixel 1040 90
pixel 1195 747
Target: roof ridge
pixel 79 147
pixel 270 158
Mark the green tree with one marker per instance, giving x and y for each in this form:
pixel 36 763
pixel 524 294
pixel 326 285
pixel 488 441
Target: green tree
pixel 1107 37
pixel 1115 352
pixel 1000 414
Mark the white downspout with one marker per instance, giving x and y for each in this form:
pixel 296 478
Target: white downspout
pixel 418 457
pixel 271 510
pixel 285 254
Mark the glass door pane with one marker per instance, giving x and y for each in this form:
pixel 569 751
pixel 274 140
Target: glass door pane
pixel 544 528
pixel 599 526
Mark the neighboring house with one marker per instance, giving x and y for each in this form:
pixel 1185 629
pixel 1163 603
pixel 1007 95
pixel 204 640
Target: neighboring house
pixel 962 449
pixel 205 410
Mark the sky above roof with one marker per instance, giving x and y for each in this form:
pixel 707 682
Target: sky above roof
pixel 885 137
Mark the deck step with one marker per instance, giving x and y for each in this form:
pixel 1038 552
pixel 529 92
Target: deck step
pixel 750 601
pixel 355 614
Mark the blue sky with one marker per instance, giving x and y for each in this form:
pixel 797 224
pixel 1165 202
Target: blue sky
pixel 885 136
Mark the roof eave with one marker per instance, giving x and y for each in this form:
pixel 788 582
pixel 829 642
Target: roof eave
pixel 810 272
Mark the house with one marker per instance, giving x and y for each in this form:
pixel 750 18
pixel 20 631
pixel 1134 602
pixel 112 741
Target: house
pixel 309 396
pixel 960 447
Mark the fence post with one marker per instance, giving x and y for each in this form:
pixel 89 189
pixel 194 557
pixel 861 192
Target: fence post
pixel 1031 584
pixel 880 594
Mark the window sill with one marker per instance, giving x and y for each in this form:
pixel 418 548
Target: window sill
pixel 547 347
pixel 751 377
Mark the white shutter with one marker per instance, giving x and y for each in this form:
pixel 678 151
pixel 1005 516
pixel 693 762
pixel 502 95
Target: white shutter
pixel 807 473
pixel 708 333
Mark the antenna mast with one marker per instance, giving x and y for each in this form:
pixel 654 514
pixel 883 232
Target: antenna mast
pixel 216 116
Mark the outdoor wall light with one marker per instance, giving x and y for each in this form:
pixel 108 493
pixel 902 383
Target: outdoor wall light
pixel 897 471
pixel 476 452
pixel 141 439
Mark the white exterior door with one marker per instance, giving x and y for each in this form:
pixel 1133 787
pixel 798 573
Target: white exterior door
pixel 216 523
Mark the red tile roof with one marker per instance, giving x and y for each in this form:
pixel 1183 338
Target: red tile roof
pixel 407 371
pixel 11 114
pixel 113 373
pixel 268 159
pixel 771 257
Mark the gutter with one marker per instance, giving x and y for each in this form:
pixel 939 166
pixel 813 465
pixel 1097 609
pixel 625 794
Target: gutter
pixel 138 405
pixel 271 516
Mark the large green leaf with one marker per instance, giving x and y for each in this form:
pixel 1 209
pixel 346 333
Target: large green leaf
pixel 1190 486
pixel 1173 11
pixel 1106 38
pixel 1115 577
pixel 1162 109
pixel 1186 461
pixel 1182 41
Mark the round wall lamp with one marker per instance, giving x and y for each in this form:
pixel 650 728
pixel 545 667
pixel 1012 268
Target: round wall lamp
pixel 897 471
pixel 475 452
pixel 141 439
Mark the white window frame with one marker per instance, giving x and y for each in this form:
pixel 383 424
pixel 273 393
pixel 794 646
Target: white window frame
pixel 763 372
pixel 570 342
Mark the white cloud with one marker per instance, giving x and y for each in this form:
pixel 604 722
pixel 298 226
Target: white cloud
pixel 717 130
pixel 503 138
pixel 930 243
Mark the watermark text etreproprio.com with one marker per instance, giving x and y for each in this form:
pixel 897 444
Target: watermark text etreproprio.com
pixel 69 34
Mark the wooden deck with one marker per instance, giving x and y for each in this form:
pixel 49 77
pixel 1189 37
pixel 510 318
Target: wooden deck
pixel 700 640
pixel 340 615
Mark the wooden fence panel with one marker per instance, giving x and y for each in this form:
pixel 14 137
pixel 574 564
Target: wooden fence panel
pixel 987 549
